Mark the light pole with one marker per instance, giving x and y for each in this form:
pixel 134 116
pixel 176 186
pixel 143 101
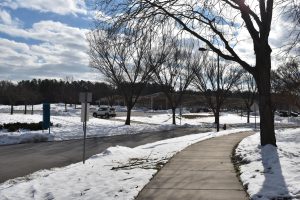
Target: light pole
pixel 180 110
pixel 218 89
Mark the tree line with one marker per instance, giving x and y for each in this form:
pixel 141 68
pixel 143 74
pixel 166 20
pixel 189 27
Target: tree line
pixel 174 80
pixel 37 91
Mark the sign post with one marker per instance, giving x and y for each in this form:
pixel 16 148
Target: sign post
pixel 254 107
pixel 84 98
pixel 46 116
pixel 255 116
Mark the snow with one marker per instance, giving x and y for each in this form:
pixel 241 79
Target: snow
pixel 67 125
pixel 106 175
pixel 197 118
pixel 269 172
pixel 70 127
pixel 207 118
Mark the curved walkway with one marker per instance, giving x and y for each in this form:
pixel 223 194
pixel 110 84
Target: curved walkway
pixel 201 171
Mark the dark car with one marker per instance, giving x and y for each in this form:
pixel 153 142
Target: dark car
pixel 294 114
pixel 284 114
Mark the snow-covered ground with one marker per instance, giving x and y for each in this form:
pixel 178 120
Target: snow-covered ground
pixel 269 172
pixel 194 119
pixel 70 127
pixel 117 173
pixel 67 125
pixel 200 118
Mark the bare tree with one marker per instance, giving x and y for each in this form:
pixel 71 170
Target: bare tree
pixel 291 12
pixel 206 75
pixel 120 58
pixel 217 24
pixel 13 95
pixel 175 75
pixel 247 89
pixel 287 78
pixel 67 90
pixel 9 94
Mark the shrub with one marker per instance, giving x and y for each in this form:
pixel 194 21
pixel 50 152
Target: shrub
pixel 11 127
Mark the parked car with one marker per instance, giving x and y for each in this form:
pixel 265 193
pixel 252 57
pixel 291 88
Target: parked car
pixel 294 114
pixel 105 112
pixel 284 114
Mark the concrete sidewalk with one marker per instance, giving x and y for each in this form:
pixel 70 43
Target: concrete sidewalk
pixel 201 171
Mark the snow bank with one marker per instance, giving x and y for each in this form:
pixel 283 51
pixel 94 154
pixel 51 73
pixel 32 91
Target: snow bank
pixel 269 172
pixel 117 173
pixel 24 137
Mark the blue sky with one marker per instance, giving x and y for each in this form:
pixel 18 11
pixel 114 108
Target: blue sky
pixel 44 39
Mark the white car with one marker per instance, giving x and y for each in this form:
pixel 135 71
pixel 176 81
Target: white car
pixel 105 112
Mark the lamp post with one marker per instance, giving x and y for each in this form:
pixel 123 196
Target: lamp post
pixel 180 110
pixel 218 89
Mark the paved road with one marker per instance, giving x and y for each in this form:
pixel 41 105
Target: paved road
pixel 202 171
pixel 22 159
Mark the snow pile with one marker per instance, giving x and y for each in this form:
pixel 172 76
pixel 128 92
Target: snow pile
pixel 269 172
pixel 117 173
pixel 6 118
pixel 24 137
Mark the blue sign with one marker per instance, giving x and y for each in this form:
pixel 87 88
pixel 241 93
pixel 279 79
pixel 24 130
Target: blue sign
pixel 46 115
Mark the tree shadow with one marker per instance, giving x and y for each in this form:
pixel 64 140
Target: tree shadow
pixel 274 186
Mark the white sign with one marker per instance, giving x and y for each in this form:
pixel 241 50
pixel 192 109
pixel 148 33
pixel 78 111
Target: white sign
pixel 83 111
pixel 85 97
pixel 255 107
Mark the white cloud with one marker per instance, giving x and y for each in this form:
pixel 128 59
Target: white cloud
pixel 5 18
pixel 62 7
pixel 49 47
pixel 23 61
pixel 51 32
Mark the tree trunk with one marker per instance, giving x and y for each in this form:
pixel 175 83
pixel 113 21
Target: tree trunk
pixel 11 109
pixel 217 120
pixel 262 77
pixel 173 116
pixel 32 109
pixel 25 109
pixel 127 122
pixel 66 107
pixel 248 115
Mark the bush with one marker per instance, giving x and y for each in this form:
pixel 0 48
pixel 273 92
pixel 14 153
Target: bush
pixel 12 127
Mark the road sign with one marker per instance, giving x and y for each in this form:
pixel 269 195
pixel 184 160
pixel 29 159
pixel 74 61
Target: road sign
pixel 85 97
pixel 46 115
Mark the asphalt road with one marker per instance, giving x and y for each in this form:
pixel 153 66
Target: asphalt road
pixel 23 159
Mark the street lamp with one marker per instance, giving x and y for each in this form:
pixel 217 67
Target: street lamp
pixel 218 89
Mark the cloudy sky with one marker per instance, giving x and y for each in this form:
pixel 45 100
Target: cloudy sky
pixel 46 39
